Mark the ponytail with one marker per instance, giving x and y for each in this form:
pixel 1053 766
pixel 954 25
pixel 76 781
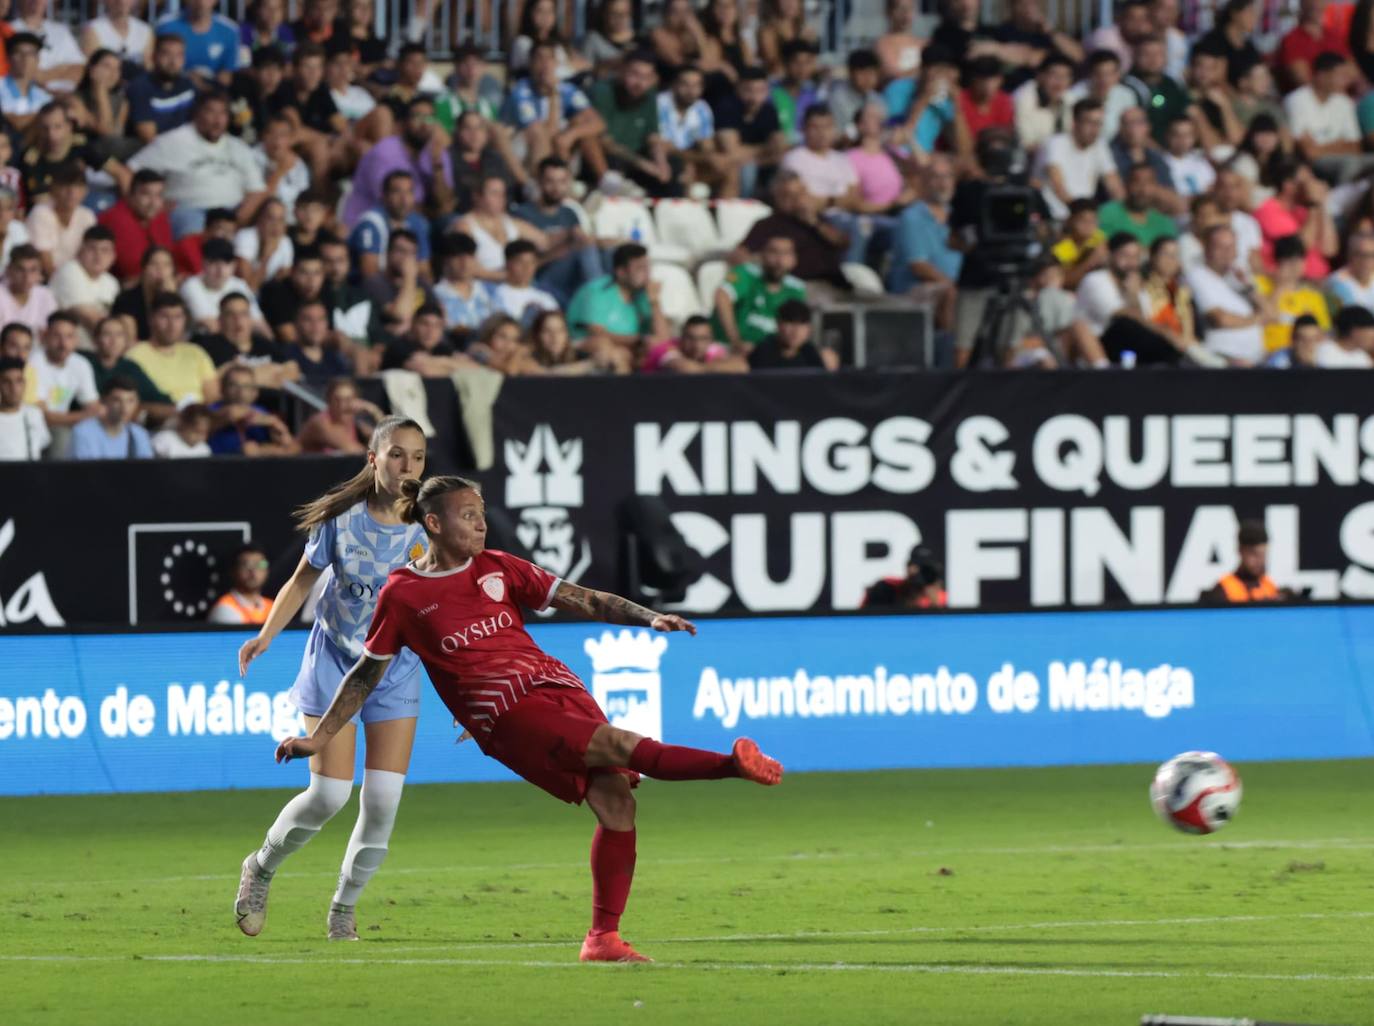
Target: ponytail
pixel 421 498
pixel 358 487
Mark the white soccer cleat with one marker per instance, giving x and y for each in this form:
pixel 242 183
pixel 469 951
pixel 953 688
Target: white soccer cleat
pixel 343 925
pixel 250 907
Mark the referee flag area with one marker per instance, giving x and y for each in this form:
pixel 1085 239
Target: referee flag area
pixel 1046 895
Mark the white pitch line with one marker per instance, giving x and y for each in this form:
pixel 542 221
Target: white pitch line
pixel 1340 843
pixel 929 968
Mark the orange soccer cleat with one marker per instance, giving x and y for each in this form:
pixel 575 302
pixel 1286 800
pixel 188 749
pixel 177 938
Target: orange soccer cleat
pixel 609 947
pixel 754 765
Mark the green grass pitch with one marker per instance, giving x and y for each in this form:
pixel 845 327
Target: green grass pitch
pixel 932 897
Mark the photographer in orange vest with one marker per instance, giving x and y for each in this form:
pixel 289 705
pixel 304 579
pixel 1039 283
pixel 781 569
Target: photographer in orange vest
pixel 244 603
pixel 1249 582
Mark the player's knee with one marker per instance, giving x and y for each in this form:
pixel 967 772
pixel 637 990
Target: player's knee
pixel 327 795
pixel 611 799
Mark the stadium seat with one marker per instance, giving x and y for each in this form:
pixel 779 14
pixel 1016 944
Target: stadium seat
pixel 679 298
pixel 709 277
pixel 620 218
pixel 864 279
pixel 689 224
pixel 735 217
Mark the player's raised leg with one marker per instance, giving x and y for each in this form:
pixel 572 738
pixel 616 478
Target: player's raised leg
pixel 613 868
pixel 331 784
pixel 389 744
pixel 612 746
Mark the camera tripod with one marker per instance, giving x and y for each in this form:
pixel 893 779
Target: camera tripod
pixel 998 323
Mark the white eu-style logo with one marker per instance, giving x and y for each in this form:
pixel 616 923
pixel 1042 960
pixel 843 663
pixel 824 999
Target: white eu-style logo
pixel 544 484
pixel 625 679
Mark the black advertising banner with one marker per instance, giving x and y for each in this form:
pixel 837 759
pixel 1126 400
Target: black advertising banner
pixel 1070 488
pixel 143 541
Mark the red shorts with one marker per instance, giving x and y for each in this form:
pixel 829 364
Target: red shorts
pixel 544 738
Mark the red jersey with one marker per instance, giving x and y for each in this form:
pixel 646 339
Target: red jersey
pixel 1000 112
pixel 1299 45
pixel 468 628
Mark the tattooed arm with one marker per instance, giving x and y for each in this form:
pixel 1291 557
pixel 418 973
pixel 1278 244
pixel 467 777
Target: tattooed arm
pixel 353 691
pixel 602 605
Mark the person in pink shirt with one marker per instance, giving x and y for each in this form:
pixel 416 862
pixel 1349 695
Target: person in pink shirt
pixel 694 353
pixel 883 191
pixel 24 297
pixel 1298 207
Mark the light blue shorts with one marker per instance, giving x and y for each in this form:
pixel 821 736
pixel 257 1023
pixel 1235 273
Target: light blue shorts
pixel 324 665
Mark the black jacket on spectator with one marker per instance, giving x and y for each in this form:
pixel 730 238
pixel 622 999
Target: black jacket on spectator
pixel 817 259
pixel 399 350
pixel 768 355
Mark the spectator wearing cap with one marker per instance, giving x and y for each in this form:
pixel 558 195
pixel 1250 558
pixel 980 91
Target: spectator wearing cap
pixel 1250 581
pixel 344 425
pixel 177 367
pixel 797 90
pixel 113 435
pixel 58 223
pixel 240 427
pixel 1077 164
pixel 1298 207
pixel 1354 341
pixel 614 316
pixel 203 292
pixel 552 116
pixel 1325 127
pixel 205 167
pixel 983 103
pixel 1103 84
pixel 694 351
pixel 819 245
pixel 244 604
pixel 465 301
pixel 318 350
pixel 415 148
pixel 23 431
pixel 57 144
pixel 238 343
pixel 1138 213
pixel 212 41
pixel 65 382
pixel 750 134
pixel 24 297
pixel 21 97
pixel 926 109
pixel 85 286
pixel 845 99
pixel 60 60
pixel 791 347
pixel 161 98
pixel 1042 106
pixel 1353 284
pixel 1163 98
pixel 633 144
pixel 1292 297
pixel 1233 313
pixel 518 297
pixel 137 221
pixel 923 262
pixel 109 359
pixel 367 242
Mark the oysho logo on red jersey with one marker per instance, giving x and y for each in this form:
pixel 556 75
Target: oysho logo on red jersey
pixel 476 631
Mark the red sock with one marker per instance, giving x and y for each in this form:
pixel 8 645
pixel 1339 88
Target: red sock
pixel 674 762
pixel 613 870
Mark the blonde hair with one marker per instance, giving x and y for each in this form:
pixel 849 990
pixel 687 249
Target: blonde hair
pixel 421 498
pixel 358 487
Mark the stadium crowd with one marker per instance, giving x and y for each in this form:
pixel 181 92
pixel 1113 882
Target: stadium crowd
pixel 198 214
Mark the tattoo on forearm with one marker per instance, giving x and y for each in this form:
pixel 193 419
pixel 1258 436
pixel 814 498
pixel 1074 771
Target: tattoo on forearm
pixel 352 693
pixel 602 605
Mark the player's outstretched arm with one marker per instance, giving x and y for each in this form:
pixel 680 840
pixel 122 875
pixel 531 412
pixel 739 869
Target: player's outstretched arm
pixel 602 605
pixel 353 691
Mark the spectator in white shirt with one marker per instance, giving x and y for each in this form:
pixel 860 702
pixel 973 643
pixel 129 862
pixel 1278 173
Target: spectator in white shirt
pixel 517 296
pixel 1233 312
pixel 66 382
pixel 1103 83
pixel 1042 107
pixel 204 291
pixel 23 432
pixel 285 173
pixel 1354 341
pixel 24 298
pixel 687 125
pixel 1233 198
pixel 58 222
pixel 1114 304
pixel 1190 169
pixel 85 286
pixel 1325 127
pixel 60 62
pixel 1353 284
pixel 188 438
pixel 1074 165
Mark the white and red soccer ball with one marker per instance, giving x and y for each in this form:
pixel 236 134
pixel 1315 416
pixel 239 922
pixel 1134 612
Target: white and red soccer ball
pixel 1196 792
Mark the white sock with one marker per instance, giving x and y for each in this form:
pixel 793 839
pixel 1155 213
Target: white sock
pixel 302 818
pixel 381 797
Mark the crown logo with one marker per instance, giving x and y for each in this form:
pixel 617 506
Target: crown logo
pixel 543 471
pixel 628 650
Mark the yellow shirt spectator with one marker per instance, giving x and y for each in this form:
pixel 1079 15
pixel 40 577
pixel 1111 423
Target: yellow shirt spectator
pixel 181 369
pixel 1291 304
pixel 1068 252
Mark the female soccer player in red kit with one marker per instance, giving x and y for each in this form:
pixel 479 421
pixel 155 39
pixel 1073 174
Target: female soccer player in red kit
pixel 458 608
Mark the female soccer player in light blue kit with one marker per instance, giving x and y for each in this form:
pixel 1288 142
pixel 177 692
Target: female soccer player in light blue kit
pixel 357 538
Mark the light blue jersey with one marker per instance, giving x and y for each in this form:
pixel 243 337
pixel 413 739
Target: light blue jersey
pixel 356 554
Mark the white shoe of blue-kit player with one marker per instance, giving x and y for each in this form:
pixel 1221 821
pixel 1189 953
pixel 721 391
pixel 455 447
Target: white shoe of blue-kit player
pixel 250 905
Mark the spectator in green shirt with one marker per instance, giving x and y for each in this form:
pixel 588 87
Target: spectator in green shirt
pixel 1138 214
pixel 748 301
pixel 1165 99
pixel 632 144
pixel 108 361
pixel 614 317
